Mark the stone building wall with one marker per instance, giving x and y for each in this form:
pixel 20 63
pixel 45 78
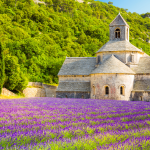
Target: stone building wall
pixel 76 78
pixel 122 32
pixel 84 95
pixel 113 81
pixel 142 77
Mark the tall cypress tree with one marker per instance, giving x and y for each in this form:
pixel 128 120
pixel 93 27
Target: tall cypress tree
pixel 2 68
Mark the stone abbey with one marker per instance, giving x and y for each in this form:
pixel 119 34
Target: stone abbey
pixel 120 71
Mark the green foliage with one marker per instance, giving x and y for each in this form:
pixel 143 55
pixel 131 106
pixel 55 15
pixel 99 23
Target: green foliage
pixel 2 68
pixel 146 15
pixel 110 2
pixel 41 36
pixel 15 78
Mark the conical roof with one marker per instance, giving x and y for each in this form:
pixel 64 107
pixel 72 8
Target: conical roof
pixel 118 21
pixel 112 65
pixel 118 46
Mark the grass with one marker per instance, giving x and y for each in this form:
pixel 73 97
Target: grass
pixel 34 86
pixel 53 84
pixel 11 97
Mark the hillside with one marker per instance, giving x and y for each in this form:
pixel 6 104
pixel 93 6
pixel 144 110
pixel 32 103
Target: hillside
pixel 41 36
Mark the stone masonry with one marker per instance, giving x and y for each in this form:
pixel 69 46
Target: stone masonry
pixel 44 91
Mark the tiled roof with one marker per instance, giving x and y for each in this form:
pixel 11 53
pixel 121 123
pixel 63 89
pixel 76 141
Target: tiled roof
pixel 74 86
pixel 119 20
pixel 118 46
pixel 112 65
pixel 141 85
pixel 78 66
pixel 143 65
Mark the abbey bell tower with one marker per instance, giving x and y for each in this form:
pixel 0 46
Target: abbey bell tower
pixel 119 29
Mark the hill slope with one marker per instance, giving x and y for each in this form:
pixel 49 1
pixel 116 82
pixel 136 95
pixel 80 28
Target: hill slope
pixel 41 36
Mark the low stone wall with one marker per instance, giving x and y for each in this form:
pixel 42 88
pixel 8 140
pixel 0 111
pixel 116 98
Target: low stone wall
pixel 34 92
pixel 35 83
pixel 7 92
pixel 45 91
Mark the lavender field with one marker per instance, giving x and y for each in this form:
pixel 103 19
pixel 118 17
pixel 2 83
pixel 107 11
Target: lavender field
pixel 74 124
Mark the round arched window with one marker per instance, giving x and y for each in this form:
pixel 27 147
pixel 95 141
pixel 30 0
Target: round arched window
pixel 117 33
pixel 122 90
pixel 106 90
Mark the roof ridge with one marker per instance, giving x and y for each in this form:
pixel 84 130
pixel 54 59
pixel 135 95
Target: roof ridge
pixel 113 65
pixel 79 57
pixel 121 18
pixel 118 46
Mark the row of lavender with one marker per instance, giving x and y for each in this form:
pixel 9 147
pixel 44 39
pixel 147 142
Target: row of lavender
pixel 73 123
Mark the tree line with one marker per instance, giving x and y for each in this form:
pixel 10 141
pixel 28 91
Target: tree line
pixel 36 38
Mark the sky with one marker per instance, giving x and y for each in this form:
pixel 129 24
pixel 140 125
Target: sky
pixel 138 6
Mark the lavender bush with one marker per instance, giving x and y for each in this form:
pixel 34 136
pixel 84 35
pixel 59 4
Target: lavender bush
pixel 76 124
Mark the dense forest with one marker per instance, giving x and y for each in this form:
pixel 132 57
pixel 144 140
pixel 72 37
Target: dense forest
pixel 36 38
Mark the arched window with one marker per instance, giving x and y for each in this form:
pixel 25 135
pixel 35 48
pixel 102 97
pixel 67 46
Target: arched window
pixel 117 33
pixel 122 90
pixel 106 90
pixel 66 96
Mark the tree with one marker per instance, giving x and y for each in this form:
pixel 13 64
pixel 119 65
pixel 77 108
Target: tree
pixel 110 3
pixel 2 68
pixel 146 15
pixel 15 78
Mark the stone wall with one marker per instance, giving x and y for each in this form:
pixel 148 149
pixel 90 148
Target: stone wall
pixel 44 91
pixel 78 78
pixel 122 32
pixel 113 81
pixel 141 96
pixel 34 92
pixel 84 95
pixel 7 92
pixel 142 77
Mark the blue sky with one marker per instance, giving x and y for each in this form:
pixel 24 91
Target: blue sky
pixel 138 6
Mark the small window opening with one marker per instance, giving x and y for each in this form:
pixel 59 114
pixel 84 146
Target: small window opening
pixel 98 59
pixel 82 96
pixel 122 90
pixel 141 98
pixel 106 90
pixel 93 90
pixel 66 96
pixel 132 58
pixel 127 34
pixel 117 33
